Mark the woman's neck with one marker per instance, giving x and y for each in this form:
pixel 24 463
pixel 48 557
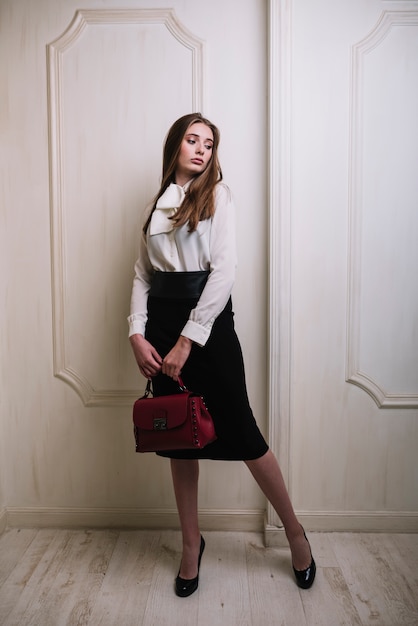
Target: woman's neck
pixel 182 181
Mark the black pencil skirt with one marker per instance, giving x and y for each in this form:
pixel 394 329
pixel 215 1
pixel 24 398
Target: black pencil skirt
pixel 215 371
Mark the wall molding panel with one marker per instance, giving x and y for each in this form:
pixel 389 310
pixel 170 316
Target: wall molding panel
pixel 382 337
pixel 279 77
pixel 167 17
pixel 102 63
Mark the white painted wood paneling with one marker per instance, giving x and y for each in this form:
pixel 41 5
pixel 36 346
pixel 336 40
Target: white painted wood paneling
pixel 304 136
pixel 83 124
pixel 354 91
pixel 110 75
pixel 383 261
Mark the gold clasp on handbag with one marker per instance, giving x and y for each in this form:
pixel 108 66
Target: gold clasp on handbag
pixel 160 423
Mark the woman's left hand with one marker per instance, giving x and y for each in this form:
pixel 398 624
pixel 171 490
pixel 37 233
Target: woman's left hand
pixel 177 357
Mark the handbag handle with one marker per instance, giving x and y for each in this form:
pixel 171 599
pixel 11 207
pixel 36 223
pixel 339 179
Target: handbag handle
pixel 148 388
pixel 181 384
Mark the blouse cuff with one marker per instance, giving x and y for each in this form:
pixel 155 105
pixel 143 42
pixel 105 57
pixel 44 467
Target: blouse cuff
pixel 136 325
pixel 197 333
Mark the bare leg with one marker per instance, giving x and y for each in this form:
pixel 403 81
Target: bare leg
pixel 185 475
pixel 268 475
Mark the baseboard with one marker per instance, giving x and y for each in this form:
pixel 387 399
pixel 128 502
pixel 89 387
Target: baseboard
pixel 210 519
pixel 213 519
pixel 3 520
pixel 350 522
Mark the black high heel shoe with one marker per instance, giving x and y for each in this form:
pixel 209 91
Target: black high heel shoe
pixel 305 577
pixel 185 587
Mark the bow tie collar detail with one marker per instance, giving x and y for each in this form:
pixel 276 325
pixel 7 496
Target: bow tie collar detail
pixel 166 207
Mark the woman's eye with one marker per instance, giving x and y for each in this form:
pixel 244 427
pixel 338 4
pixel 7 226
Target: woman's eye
pixel 208 146
pixel 192 141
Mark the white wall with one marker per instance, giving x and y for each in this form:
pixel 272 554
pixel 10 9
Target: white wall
pixel 353 304
pixel 66 460
pixel 66 449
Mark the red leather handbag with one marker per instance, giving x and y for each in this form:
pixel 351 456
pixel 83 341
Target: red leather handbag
pixel 176 422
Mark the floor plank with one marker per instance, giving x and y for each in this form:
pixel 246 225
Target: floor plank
pixel 128 579
pixel 274 595
pixel 14 545
pixel 224 594
pixel 62 587
pixel 20 556
pixel 163 607
pixel 330 589
pixel 376 579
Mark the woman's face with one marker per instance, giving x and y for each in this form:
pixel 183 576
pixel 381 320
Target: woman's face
pixel 195 152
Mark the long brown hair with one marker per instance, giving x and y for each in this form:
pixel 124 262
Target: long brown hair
pixel 199 202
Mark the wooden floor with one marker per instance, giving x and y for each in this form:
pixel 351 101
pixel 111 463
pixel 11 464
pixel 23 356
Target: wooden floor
pixel 110 577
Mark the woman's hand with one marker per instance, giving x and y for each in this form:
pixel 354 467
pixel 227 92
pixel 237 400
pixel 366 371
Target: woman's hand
pixel 147 357
pixel 177 357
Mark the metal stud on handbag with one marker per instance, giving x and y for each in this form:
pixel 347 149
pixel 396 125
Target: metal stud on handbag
pixel 179 421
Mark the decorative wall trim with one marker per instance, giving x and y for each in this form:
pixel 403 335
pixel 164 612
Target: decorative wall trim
pixel 383 399
pixel 55 52
pixel 279 124
pixel 84 17
pixel 354 373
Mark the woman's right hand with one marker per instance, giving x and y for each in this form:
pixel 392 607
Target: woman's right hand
pixel 147 357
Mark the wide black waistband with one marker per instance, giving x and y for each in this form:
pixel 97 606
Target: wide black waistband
pixel 178 284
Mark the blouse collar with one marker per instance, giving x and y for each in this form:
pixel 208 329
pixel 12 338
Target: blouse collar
pixel 166 208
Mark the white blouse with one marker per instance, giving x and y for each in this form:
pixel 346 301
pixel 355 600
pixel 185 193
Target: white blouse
pixel 167 248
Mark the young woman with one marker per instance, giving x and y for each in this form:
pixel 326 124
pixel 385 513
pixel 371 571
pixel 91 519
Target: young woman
pixel 181 322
